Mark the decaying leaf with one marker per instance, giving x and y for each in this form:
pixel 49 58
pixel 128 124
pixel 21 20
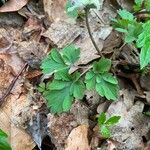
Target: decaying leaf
pixel 13 105
pixel 60 124
pixel 78 139
pixel 5 40
pixel 61 33
pixel 133 125
pixel 13 5
pixel 32 52
pixel 55 9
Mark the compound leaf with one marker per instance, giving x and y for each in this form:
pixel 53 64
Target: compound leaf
pixel 107 89
pixel 105 83
pixel 53 62
pixel 56 61
pixel 61 93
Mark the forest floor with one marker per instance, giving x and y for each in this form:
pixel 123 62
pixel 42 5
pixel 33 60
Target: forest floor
pixel 29 29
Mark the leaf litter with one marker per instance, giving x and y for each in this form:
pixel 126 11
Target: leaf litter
pixel 24 115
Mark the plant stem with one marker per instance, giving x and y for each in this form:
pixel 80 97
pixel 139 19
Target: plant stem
pixel 90 33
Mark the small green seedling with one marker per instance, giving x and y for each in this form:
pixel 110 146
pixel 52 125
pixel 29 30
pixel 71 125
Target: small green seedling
pixel 4 145
pixel 105 124
pixel 136 31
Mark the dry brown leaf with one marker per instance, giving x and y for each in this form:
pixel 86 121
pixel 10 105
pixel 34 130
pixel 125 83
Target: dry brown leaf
pixel 5 40
pixel 33 29
pixel 61 33
pixel 13 5
pixel 32 52
pixel 78 139
pixel 132 126
pixel 18 138
pixel 9 112
pixel 33 73
pixel 55 9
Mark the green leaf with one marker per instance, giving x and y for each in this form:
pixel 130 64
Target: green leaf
pixel 121 25
pixel 41 87
pixel 124 14
pixel 133 31
pixel 145 54
pixel 3 134
pixel 143 42
pixel 102 66
pixel 109 78
pixel 105 131
pixel 61 93
pixel 144 35
pixel 147 5
pixel 107 89
pixel 113 120
pixel 101 118
pixel 73 13
pixel 90 80
pixel 56 61
pixel 53 63
pixel 4 145
pixel 71 54
pixel 78 89
pixel 147 113
pixel 138 4
pixel 104 83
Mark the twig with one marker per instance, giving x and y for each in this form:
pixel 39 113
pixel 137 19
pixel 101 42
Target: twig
pixel 141 13
pixel 12 84
pixel 85 71
pixel 90 34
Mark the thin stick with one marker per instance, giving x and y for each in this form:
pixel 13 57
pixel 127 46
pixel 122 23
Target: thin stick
pixel 90 34
pixel 12 84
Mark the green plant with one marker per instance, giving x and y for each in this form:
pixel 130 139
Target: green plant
pixel 4 145
pixel 136 31
pixel 100 79
pixel 105 124
pixel 147 113
pixel 65 87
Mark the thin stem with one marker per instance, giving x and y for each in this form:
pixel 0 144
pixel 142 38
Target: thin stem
pixel 90 33
pixel 12 84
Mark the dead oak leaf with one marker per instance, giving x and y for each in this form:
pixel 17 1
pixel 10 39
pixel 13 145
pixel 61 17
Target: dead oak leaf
pixel 78 139
pixel 13 5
